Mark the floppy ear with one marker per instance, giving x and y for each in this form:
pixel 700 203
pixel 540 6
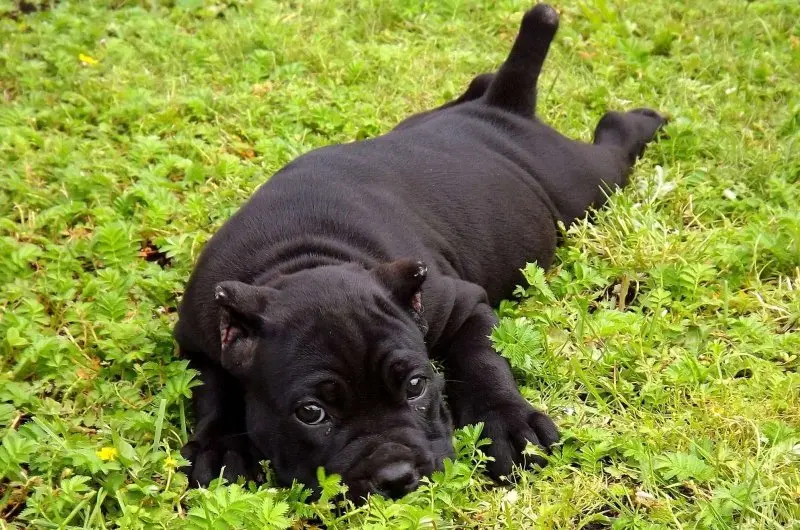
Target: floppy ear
pixel 404 279
pixel 242 309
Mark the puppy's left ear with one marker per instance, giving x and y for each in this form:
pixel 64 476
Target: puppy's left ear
pixel 242 316
pixel 404 278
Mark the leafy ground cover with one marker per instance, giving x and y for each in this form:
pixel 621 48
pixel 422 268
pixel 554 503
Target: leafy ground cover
pixel 665 340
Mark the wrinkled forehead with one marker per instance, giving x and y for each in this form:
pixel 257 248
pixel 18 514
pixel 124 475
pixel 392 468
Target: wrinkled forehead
pixel 358 337
pixel 356 316
pixel 361 346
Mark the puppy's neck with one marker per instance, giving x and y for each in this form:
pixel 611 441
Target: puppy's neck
pixel 309 253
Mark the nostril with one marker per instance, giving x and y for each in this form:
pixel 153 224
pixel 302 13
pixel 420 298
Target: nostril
pixel 396 479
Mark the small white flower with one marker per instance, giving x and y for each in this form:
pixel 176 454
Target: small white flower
pixel 644 497
pixel 662 187
pixel 729 194
pixel 511 497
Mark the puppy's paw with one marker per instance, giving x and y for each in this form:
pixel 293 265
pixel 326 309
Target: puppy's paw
pixel 211 459
pixel 649 123
pixel 510 427
pixel 631 131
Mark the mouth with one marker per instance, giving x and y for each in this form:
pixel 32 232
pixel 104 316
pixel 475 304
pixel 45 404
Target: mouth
pixel 391 470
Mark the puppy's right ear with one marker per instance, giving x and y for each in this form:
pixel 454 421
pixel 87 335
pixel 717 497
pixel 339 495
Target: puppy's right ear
pixel 242 315
pixel 404 278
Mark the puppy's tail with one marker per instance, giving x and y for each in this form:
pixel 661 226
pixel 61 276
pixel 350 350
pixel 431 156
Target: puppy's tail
pixel 514 86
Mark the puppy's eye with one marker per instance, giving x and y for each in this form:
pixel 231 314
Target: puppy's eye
pixel 310 414
pixel 416 387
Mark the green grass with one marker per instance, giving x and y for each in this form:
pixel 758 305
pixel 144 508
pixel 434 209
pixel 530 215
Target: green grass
pixel 664 341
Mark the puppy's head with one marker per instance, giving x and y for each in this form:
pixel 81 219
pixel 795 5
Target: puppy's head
pixel 336 374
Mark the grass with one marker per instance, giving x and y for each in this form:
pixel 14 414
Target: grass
pixel 664 341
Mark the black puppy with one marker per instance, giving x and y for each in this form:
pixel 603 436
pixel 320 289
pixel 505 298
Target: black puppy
pixel 314 312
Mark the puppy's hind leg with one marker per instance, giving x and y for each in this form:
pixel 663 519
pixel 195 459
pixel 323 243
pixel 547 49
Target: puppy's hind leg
pixel 476 89
pixel 596 169
pixel 514 85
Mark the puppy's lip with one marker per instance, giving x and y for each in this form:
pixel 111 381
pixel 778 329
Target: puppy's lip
pixel 388 495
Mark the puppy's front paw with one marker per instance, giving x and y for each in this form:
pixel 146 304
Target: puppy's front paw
pixel 510 427
pixel 210 459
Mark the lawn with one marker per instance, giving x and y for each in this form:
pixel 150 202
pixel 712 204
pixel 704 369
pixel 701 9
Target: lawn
pixel 665 341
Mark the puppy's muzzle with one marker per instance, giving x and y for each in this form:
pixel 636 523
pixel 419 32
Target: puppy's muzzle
pixel 395 480
pixel 393 470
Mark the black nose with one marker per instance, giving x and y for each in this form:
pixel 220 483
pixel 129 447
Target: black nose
pixel 396 479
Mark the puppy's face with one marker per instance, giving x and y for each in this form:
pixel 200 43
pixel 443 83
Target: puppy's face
pixel 336 374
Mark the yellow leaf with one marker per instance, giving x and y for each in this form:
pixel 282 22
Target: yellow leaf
pixel 87 59
pixel 107 453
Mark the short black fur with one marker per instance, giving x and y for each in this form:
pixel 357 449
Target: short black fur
pixel 325 297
